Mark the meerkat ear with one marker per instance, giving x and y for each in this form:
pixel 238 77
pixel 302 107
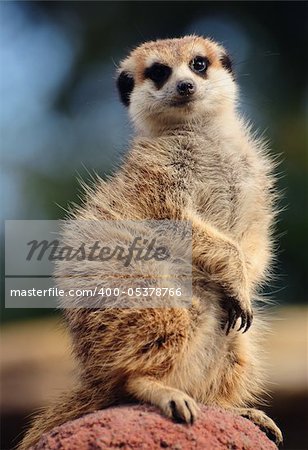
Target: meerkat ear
pixel 125 85
pixel 226 62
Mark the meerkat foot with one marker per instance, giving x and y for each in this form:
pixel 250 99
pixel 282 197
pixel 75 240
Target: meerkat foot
pixel 266 424
pixel 179 406
pixel 173 403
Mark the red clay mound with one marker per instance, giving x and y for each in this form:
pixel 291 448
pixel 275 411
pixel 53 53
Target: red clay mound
pixel 142 427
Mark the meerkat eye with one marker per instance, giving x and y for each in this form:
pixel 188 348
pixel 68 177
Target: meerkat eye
pixel 159 73
pixel 199 64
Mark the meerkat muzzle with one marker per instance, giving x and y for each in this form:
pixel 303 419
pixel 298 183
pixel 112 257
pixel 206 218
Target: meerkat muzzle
pixel 186 88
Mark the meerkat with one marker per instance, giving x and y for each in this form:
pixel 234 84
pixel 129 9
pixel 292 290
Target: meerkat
pixel 192 159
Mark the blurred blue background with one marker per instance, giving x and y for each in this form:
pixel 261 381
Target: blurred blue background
pixel 61 119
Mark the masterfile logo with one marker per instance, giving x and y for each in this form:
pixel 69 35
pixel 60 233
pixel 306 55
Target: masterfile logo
pixel 79 263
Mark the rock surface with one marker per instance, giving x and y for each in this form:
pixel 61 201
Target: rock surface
pixel 143 427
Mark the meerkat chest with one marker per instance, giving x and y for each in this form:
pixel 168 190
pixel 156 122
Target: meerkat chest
pixel 219 180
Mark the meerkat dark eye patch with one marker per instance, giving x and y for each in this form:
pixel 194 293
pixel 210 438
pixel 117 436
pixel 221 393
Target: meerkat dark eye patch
pixel 158 73
pixel 226 62
pixel 125 85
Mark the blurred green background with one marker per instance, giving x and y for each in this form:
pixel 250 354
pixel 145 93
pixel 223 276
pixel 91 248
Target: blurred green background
pixel 61 119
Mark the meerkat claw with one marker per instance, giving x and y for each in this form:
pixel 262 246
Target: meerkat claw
pixel 243 322
pixel 235 312
pixel 249 322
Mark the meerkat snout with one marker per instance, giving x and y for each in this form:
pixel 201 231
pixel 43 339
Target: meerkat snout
pixel 186 88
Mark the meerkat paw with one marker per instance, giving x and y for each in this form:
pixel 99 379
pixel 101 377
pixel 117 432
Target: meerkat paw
pixel 172 402
pixel 266 424
pixel 179 406
pixel 236 309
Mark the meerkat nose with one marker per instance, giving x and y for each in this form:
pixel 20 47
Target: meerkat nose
pixel 186 87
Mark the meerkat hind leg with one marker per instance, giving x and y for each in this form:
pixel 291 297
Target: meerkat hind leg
pixel 173 403
pixel 264 422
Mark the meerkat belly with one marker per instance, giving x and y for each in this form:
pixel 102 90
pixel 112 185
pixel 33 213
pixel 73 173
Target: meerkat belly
pixel 206 349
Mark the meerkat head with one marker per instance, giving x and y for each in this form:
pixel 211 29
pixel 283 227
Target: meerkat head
pixel 166 83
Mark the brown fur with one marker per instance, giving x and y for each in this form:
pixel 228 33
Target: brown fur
pixel 200 164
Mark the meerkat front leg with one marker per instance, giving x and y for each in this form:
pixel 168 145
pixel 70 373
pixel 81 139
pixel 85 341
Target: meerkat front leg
pixel 220 257
pixel 173 403
pixel 260 419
